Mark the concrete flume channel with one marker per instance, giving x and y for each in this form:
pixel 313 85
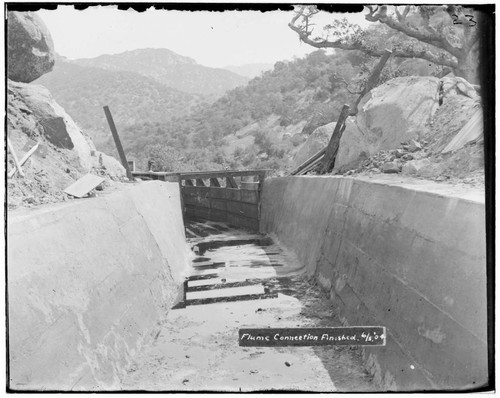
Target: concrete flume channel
pixel 241 279
pixel 118 293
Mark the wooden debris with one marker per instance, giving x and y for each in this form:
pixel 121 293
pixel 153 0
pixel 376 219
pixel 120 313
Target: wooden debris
pixel 328 160
pixel 84 185
pixel 312 160
pixel 24 159
pixel 118 143
pixel 16 160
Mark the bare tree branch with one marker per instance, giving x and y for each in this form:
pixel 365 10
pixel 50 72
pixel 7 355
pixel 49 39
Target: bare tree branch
pixel 342 80
pixel 430 36
pixel 344 45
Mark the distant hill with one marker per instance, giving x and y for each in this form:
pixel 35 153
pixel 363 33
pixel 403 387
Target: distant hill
pixel 249 70
pixel 261 125
pixel 133 99
pixel 170 69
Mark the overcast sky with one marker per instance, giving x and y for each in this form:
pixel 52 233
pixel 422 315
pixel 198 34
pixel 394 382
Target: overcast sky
pixel 214 39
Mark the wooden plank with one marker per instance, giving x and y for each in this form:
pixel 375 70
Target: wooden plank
pixel 14 156
pixel 230 182
pixel 249 196
pixel 252 201
pixel 153 174
pixel 183 209
pixel 309 161
pixel 233 194
pixel 200 183
pixel 244 297
pixel 194 212
pixel 214 182
pixel 243 209
pixel 223 285
pixel 250 186
pixel 195 190
pixel 219 204
pixel 219 193
pixel 24 159
pixel 248 223
pixel 84 185
pixel 221 173
pixel 328 160
pixel 314 165
pixel 189 183
pixel 202 174
pixel 197 201
pixel 118 143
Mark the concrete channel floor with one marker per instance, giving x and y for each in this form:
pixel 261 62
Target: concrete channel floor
pixel 197 347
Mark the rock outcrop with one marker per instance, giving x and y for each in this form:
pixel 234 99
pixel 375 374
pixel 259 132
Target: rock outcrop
pixel 32 110
pixel 30 49
pixel 405 110
pixel 396 111
pixel 64 153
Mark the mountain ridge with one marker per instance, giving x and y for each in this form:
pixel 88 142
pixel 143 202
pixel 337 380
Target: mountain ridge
pixel 169 68
pixel 133 98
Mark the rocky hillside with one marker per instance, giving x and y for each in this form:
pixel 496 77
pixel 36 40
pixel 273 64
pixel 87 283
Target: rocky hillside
pixel 170 69
pixel 417 126
pixel 34 118
pixel 259 125
pixel 132 98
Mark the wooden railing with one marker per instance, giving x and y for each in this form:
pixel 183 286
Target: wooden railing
pixel 227 196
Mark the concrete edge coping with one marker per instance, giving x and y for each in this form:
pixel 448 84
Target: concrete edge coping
pixel 463 192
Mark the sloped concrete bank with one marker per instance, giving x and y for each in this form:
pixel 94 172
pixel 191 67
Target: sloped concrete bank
pixel 88 283
pixel 410 257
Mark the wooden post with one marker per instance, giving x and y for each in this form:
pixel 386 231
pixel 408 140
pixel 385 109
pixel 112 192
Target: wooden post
pixel 231 182
pixel 214 182
pixel 118 143
pixel 328 160
pixel 200 183
pixel 262 177
pixel 14 156
pixel 372 80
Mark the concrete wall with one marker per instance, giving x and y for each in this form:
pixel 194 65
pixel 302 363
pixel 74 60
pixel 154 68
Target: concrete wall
pixel 408 257
pixel 88 282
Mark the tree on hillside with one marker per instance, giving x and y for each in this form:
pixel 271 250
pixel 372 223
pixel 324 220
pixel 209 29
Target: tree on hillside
pixel 163 158
pixel 444 35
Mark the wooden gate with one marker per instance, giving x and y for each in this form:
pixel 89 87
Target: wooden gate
pixel 232 197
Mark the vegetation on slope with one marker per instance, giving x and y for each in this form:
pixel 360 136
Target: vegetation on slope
pixel 170 69
pixel 132 98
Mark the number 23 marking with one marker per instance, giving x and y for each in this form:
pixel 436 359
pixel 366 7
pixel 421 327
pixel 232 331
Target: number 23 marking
pixel 457 22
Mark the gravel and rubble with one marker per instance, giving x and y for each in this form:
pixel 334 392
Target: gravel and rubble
pixel 47 173
pixel 416 158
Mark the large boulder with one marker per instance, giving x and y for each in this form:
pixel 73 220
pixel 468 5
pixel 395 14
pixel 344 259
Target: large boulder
pixel 315 142
pixel 394 112
pixel 38 108
pixel 30 49
pixel 32 111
